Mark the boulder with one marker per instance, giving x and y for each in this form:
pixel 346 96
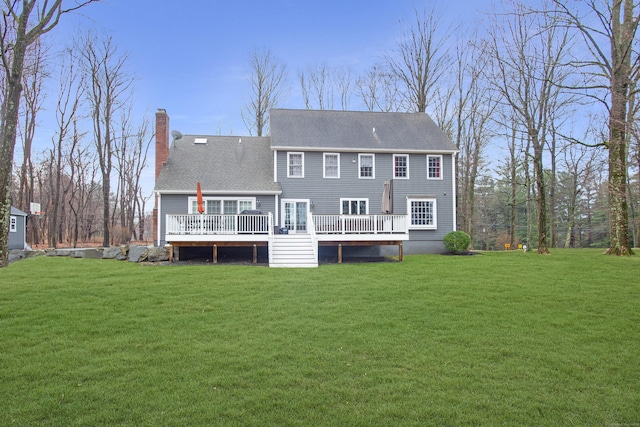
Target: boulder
pixel 78 253
pixel 136 253
pixel 92 253
pixel 59 252
pixel 33 254
pixel 15 255
pixel 112 252
pixel 157 254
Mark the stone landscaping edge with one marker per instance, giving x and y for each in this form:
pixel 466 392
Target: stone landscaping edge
pixel 131 253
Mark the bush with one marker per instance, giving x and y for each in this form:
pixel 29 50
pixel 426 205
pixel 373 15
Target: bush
pixel 457 241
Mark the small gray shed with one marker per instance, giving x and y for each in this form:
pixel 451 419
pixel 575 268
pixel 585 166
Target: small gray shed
pixel 17 229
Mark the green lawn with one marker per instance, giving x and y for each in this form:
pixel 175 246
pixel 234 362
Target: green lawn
pixel 497 339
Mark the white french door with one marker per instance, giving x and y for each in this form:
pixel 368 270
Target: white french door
pixel 294 215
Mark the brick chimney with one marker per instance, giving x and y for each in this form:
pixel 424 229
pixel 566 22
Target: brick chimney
pixel 162 154
pixel 162 139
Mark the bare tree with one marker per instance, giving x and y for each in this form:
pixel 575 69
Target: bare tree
pixel 18 30
pixel 108 89
pixel 528 52
pixel 267 78
pixel 610 36
pixel 321 85
pixel 82 172
pixel 420 60
pixel 70 93
pixel 475 106
pixel 579 164
pixel 131 158
pixel 317 87
pixel 34 77
pixel 378 89
pixel 344 86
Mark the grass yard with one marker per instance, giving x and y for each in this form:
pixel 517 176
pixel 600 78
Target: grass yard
pixel 497 339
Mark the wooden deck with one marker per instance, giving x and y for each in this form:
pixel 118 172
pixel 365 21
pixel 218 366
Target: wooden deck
pixel 254 231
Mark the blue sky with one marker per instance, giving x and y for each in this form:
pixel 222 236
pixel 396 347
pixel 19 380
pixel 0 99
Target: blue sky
pixel 191 57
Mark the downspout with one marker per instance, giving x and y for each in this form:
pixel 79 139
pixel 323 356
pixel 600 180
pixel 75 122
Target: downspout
pixel 275 180
pixel 454 200
pixel 159 198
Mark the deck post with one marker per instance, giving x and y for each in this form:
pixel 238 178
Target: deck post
pixel 170 253
pixel 255 254
pixel 400 251
pixel 339 253
pixel 215 254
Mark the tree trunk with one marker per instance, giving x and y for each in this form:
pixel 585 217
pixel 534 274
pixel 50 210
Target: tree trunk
pixel 620 243
pixel 8 130
pixel 541 199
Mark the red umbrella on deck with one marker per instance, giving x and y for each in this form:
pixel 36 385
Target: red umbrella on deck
pixel 200 202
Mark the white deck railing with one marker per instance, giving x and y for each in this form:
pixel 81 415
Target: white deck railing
pixel 360 224
pixel 218 224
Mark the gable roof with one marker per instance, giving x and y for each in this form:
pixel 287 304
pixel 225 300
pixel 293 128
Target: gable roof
pixel 222 164
pixel 17 212
pixel 354 130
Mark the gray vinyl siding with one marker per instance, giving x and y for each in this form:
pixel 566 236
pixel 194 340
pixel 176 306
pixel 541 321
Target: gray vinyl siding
pixel 325 193
pixel 178 204
pixel 17 238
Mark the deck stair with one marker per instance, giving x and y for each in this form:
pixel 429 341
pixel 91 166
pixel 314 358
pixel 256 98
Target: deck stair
pixel 293 250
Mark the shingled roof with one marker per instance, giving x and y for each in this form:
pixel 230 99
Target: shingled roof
pixel 357 131
pixel 222 164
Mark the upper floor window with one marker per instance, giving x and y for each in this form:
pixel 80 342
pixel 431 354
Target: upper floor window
pixel 13 224
pixel 366 165
pixel 400 166
pixel 295 165
pixel 331 165
pixel 434 167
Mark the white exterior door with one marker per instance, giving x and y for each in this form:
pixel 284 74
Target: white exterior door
pixel 294 215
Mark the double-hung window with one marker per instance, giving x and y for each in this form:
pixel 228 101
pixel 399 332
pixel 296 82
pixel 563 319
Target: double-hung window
pixel 400 166
pixel 366 166
pixel 331 165
pixel 13 224
pixel 354 206
pixel 295 165
pixel 422 213
pixel 434 167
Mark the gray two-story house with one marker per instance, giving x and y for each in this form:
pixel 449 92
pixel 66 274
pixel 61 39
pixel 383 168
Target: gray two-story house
pixel 322 184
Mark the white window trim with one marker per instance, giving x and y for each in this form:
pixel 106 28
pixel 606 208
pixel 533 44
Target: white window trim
pixel 193 200
pixel 324 165
pixel 373 166
pixel 434 226
pixel 356 199
pixel 289 164
pixel 393 166
pixel 13 224
pixel 441 166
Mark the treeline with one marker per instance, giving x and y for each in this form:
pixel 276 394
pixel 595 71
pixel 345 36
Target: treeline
pixel 539 99
pixel 88 181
